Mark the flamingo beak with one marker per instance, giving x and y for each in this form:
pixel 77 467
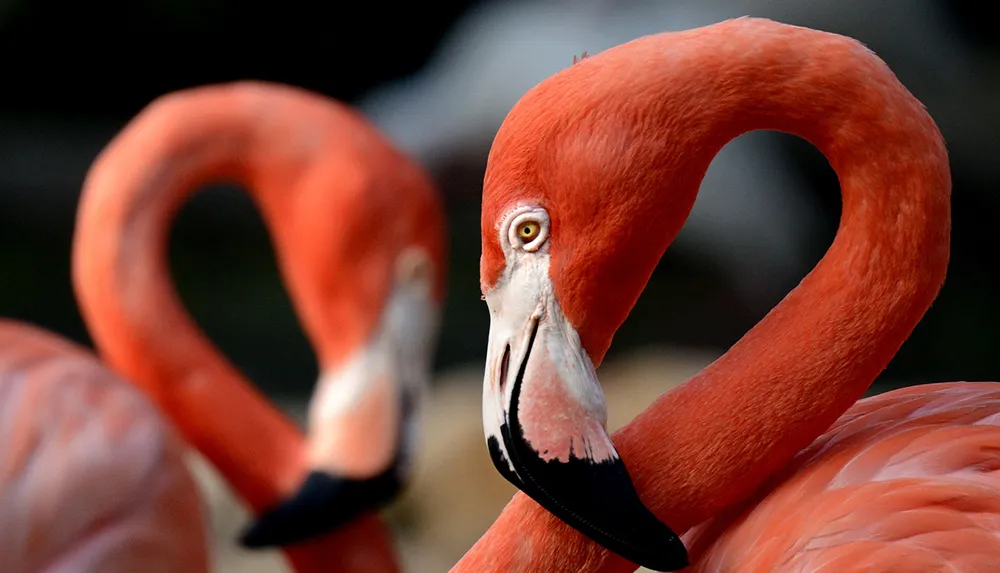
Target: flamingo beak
pixel 323 503
pixel 356 453
pixel 363 416
pixel 544 416
pixel 362 427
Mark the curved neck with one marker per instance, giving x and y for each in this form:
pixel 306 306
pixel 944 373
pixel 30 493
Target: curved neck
pixel 709 444
pixel 131 195
pixel 789 378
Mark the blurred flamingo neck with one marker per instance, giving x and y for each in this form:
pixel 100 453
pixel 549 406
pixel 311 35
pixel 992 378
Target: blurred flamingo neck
pixel 130 198
pixel 255 135
pixel 711 442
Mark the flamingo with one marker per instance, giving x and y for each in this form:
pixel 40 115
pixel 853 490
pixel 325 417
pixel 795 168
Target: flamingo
pixel 359 234
pixel 92 477
pixel 766 460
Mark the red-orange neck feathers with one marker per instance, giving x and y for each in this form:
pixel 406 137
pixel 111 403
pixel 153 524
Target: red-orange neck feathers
pixel 324 181
pixel 615 148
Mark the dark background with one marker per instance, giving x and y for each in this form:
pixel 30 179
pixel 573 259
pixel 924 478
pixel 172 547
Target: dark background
pixel 74 72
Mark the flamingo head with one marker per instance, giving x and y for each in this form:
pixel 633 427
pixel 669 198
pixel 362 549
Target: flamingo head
pixel 361 244
pixel 577 210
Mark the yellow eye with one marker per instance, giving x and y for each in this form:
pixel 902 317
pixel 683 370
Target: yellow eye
pixel 528 230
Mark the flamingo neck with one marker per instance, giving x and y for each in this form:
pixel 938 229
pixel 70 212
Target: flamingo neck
pixel 708 444
pixel 714 440
pixel 123 284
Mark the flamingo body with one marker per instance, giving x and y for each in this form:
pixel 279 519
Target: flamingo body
pixel 92 477
pixel 908 480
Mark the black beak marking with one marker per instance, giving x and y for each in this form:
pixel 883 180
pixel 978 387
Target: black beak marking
pixel 597 499
pixel 496 454
pixel 504 367
pixel 323 503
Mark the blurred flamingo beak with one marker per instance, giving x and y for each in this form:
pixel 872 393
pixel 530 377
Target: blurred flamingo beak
pixel 544 416
pixel 363 418
pixel 322 504
pixel 358 453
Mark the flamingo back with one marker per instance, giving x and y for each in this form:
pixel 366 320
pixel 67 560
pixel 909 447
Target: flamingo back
pixel 906 481
pixel 92 478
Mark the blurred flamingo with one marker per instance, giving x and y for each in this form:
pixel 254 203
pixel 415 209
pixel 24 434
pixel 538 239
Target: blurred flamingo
pixel 359 234
pixel 92 477
pixel 765 459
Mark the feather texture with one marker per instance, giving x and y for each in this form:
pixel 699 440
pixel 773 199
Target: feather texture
pixel 905 481
pixel 92 478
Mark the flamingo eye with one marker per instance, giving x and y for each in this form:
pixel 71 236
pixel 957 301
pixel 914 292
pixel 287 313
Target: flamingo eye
pixel 526 228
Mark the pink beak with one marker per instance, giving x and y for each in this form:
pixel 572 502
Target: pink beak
pixel 545 417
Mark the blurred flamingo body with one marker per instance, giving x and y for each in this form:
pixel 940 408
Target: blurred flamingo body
pixel 92 477
pixel 766 461
pixel 359 233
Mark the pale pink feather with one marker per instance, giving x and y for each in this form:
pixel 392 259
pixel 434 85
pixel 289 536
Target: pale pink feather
pixel 92 478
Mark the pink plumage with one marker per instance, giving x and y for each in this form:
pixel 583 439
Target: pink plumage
pixel 92 477
pixel 904 481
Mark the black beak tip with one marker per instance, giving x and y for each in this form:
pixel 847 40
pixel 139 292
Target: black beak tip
pixel 644 540
pixel 668 555
pixel 597 499
pixel 600 501
pixel 322 504
pixel 261 534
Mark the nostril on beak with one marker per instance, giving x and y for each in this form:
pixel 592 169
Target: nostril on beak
pixel 504 367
